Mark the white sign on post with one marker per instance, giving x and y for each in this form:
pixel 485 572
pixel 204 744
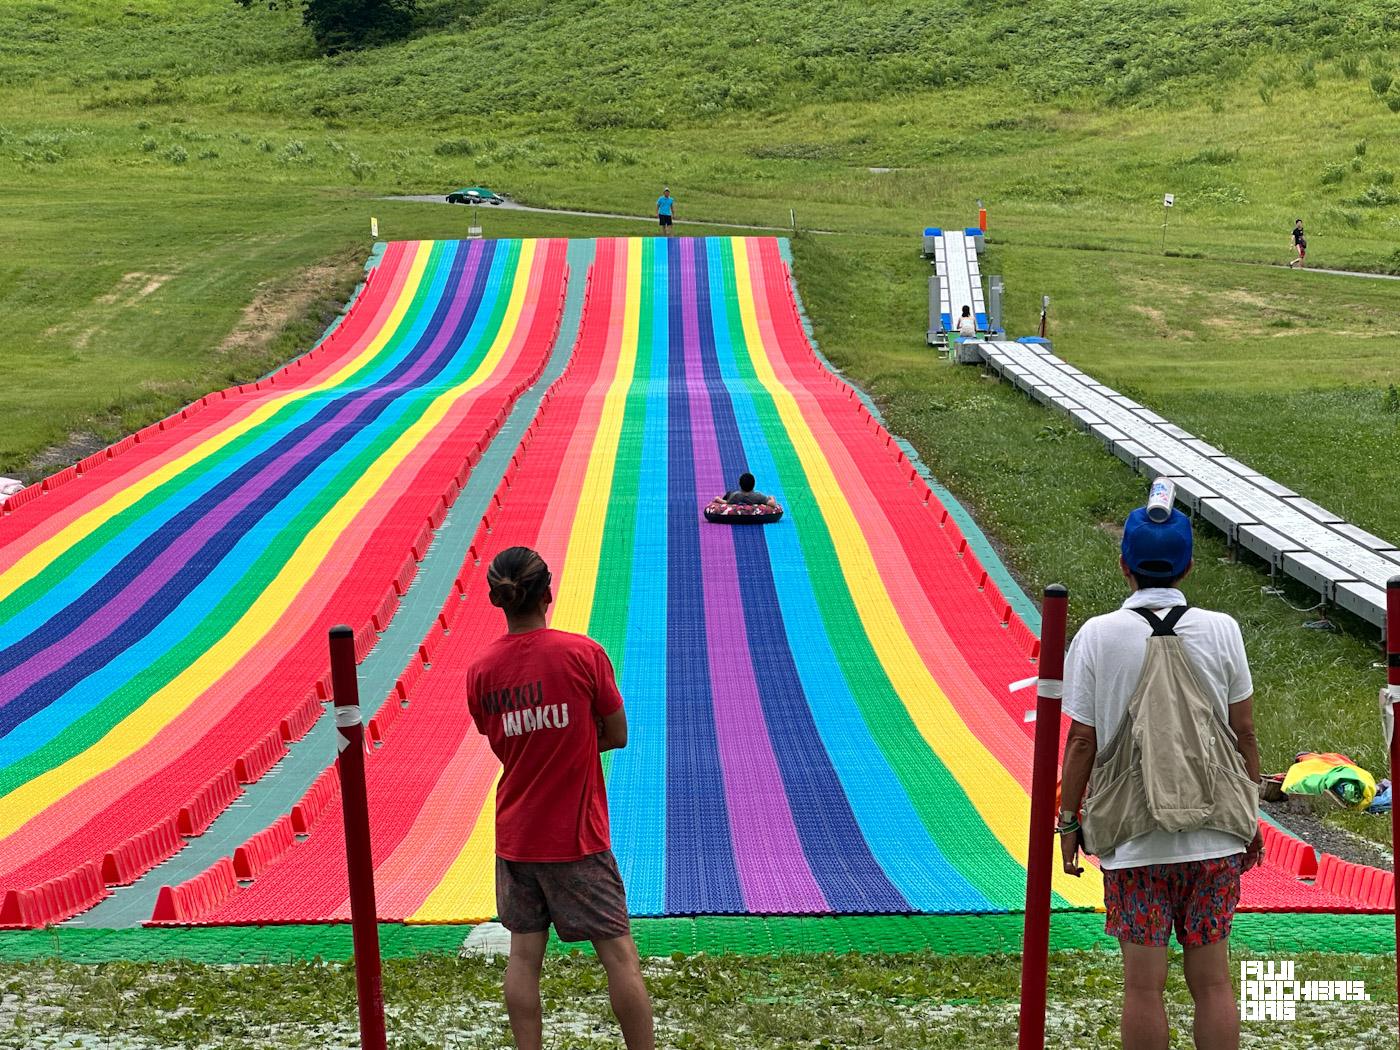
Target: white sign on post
pixel 374 227
pixel 1168 200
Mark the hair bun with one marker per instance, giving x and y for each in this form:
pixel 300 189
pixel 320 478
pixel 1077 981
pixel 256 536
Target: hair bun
pixel 505 594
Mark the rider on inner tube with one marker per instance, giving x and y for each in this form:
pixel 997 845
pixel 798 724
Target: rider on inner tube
pixel 745 496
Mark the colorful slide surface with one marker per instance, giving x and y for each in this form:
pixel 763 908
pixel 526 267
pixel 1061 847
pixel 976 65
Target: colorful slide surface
pixel 820 713
pixel 164 605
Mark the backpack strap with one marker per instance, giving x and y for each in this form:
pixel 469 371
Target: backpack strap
pixel 1164 627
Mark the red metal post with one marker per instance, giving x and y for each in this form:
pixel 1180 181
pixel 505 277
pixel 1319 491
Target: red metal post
pixel 1040 851
pixel 1392 679
pixel 364 919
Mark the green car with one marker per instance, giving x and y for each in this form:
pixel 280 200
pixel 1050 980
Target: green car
pixel 474 195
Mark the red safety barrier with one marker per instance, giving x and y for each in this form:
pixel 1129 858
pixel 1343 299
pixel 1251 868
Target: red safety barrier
pixel 1283 851
pixel 324 790
pixel 264 849
pixel 302 718
pixel 190 900
pixel 385 717
pixel 431 641
pixel 365 638
pixel 64 476
pixel 1370 888
pixel 124 864
pixel 405 577
pixel 409 678
pixel 20 498
pixel 385 613
pixel 425 537
pixel 53 901
pixel 86 464
pixel 262 756
pixel 209 801
pixel 1035 942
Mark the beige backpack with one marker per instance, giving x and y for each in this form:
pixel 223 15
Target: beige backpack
pixel 1172 764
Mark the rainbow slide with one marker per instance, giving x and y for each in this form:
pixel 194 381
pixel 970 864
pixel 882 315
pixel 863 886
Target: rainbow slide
pixel 819 708
pixel 164 604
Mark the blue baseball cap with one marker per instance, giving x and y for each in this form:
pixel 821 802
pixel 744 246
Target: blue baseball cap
pixel 1162 551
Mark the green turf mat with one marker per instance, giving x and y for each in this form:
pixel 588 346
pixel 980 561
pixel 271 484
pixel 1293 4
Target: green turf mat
pixel 742 935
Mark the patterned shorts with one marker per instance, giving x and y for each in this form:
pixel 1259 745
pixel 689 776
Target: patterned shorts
pixel 1198 898
pixel 584 899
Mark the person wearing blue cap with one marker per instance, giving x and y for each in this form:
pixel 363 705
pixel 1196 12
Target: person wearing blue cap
pixel 1162 736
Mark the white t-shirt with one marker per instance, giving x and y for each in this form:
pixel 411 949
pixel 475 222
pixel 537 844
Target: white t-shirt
pixel 967 326
pixel 1102 671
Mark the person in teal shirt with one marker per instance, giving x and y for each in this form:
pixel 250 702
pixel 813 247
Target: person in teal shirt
pixel 665 210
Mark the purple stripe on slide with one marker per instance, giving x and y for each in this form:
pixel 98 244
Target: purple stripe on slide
pixel 162 568
pixel 773 869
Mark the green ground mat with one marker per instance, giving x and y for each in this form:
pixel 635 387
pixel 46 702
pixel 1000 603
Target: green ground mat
pixel 741 935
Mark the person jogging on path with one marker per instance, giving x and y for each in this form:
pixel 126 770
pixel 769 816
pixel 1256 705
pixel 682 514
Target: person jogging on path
pixel 548 703
pixel 1300 244
pixel 665 210
pixel 1161 703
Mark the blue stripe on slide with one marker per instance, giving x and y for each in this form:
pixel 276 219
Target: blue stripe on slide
pixel 637 781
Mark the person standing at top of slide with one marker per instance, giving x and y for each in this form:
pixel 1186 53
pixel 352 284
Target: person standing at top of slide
pixel 665 210
pixel 548 703
pixel 1300 244
pixel 967 324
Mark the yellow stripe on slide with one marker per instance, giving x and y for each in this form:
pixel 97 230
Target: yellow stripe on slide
pixel 35 561
pixel 467 890
pixel 574 598
pixel 139 727
pixel 998 797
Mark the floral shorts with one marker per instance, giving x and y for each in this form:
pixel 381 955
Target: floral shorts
pixel 1197 898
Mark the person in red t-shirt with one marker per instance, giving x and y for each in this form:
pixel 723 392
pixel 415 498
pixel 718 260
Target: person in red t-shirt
pixel 548 703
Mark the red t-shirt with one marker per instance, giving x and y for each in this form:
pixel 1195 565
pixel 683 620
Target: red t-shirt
pixel 535 697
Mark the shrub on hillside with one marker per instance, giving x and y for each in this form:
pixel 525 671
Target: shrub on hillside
pixel 346 25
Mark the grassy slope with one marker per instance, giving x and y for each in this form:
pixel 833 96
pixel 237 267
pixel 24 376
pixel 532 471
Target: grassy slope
pixel 203 143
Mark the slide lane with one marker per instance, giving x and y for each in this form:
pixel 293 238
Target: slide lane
pixel 377 442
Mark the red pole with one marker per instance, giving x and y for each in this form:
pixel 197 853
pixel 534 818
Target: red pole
pixel 1392 678
pixel 364 918
pixel 1040 852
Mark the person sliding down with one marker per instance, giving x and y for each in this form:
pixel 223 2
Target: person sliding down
pixel 745 496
